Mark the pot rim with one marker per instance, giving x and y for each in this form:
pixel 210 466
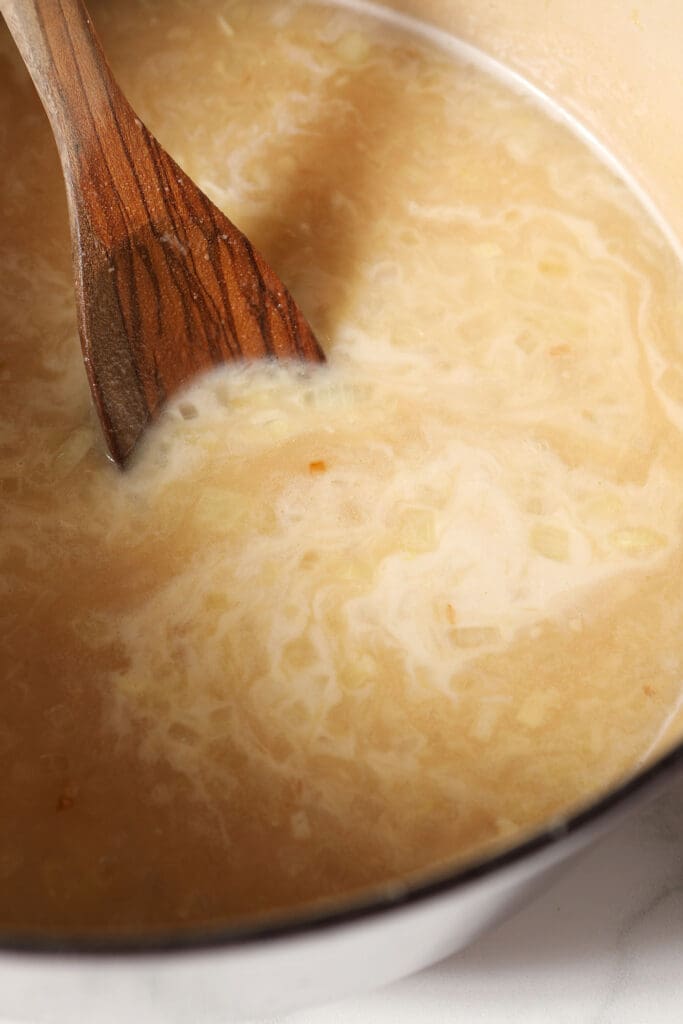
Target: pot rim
pixel 380 900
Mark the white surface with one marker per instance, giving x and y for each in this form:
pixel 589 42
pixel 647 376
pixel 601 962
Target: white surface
pixel 604 946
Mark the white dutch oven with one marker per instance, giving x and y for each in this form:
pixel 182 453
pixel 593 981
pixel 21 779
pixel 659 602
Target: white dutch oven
pixel 616 67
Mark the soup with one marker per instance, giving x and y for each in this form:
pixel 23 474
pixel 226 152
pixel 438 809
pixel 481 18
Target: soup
pixel 339 627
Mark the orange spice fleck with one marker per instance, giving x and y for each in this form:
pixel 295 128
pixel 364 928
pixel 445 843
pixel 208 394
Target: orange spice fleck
pixel 560 350
pixel 450 614
pixel 317 467
pixel 649 691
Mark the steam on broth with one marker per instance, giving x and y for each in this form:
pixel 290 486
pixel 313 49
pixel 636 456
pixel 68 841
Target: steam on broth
pixel 336 627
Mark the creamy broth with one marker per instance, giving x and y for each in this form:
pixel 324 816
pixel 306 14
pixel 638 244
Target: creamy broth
pixel 335 628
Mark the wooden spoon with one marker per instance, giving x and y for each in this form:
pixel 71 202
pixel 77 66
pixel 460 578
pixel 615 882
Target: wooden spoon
pixel 166 285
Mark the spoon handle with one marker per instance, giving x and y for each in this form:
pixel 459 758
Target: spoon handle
pixel 59 46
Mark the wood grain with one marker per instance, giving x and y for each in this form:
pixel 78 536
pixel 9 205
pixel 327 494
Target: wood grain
pixel 166 286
